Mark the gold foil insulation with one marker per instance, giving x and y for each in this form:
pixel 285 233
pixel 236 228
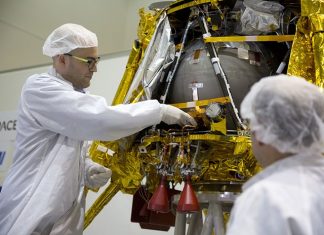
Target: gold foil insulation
pixel 224 158
pixel 145 31
pixel 307 55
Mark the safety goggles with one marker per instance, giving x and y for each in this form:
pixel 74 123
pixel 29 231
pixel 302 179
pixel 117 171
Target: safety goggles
pixel 92 62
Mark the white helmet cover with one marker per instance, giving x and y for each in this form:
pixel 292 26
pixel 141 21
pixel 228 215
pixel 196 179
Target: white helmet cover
pixel 286 112
pixel 67 38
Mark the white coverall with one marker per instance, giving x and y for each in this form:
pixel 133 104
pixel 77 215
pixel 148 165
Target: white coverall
pixel 286 198
pixel 53 122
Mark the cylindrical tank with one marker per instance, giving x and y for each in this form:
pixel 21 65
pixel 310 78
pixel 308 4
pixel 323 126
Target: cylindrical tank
pixel 243 64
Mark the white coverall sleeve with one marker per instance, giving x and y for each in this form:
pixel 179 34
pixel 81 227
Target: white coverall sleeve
pixel 57 107
pixel 256 212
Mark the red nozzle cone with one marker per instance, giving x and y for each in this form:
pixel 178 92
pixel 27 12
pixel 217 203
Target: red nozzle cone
pixel 188 201
pixel 160 201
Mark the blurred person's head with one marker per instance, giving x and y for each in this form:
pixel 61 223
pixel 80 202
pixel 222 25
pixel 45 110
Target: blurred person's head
pixel 285 115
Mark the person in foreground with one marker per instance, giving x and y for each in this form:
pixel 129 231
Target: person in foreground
pixel 285 116
pixel 43 192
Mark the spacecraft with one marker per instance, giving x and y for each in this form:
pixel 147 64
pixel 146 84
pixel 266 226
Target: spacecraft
pixel 202 56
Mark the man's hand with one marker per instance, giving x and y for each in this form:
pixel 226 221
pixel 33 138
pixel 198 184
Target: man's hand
pixel 172 115
pixel 97 175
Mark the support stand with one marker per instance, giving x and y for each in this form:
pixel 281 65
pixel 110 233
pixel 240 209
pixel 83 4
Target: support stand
pixel 216 203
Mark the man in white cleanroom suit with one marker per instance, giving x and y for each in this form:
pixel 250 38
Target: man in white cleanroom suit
pixel 43 191
pixel 285 115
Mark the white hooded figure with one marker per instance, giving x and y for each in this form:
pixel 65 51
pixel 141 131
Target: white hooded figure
pixel 286 120
pixel 43 191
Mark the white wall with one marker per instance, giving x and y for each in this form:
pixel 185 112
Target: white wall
pixel 115 217
pixel 29 22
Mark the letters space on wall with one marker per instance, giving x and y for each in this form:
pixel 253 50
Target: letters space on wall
pixel 8 122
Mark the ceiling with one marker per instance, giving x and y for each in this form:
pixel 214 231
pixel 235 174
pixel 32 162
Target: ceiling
pixel 24 26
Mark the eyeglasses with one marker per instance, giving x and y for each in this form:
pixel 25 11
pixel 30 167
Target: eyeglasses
pixel 92 62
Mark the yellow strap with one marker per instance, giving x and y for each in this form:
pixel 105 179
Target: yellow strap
pixel 186 5
pixel 138 96
pixel 192 104
pixel 263 38
pixel 178 139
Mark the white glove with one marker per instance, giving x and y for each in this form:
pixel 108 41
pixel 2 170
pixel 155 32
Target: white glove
pixel 172 115
pixel 96 175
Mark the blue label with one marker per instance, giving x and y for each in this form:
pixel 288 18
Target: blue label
pixel 2 156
